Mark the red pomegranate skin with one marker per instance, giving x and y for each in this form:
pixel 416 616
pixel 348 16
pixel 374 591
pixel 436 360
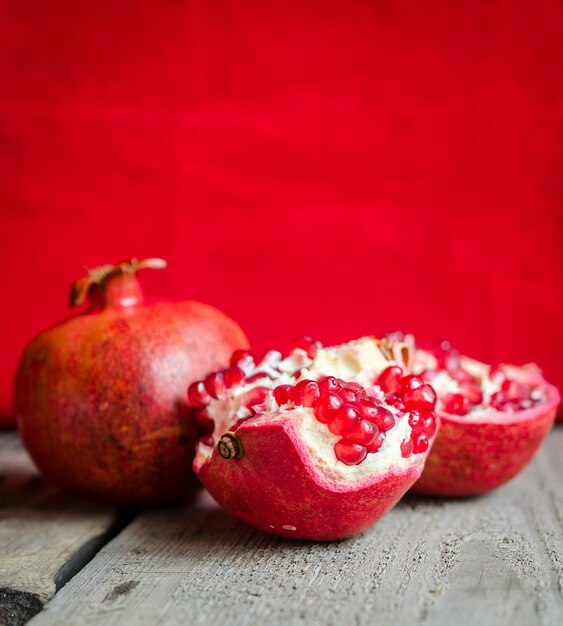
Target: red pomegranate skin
pixel 276 487
pixel 471 458
pixel 101 399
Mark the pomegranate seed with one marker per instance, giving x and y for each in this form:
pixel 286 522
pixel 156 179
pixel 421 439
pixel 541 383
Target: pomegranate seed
pixel 430 424
pixel 215 384
pixel 282 394
pixel 422 398
pixel 496 374
pixel 197 395
pixel 461 376
pixel 364 433
pixel 416 422
pixel 306 393
pixel 308 345
pixel 376 443
pixel 456 404
pixel 395 401
pixel 406 448
pixel 256 400
pixel 408 383
pixel 328 383
pixel 389 378
pixel 348 395
pixel 272 358
pixel 349 453
pixel 472 392
pixel 512 390
pixel 255 377
pixel 345 419
pixel 207 440
pixel 243 359
pixel 420 444
pixel 499 401
pixel 378 415
pixel 233 376
pixel 325 408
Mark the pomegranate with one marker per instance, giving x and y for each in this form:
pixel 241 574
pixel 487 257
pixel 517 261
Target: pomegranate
pixel 493 420
pixel 100 399
pixel 306 446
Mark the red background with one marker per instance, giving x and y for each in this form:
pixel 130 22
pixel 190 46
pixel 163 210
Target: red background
pixel 324 167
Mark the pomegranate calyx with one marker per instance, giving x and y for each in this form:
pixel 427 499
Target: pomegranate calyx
pixel 112 284
pixel 230 446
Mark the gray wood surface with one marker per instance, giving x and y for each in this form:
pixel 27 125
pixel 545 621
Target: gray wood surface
pixel 45 536
pixel 491 560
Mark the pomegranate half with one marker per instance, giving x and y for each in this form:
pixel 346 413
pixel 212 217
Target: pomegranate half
pixel 493 420
pixel 306 446
pixel 100 398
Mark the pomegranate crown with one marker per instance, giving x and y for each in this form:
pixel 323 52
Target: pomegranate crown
pixel 98 276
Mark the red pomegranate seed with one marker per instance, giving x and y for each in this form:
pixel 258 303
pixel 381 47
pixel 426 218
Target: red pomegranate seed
pixel 349 453
pixel 328 383
pixel 215 384
pixel 244 360
pixel 282 394
pixel 389 378
pixel 408 383
pixel 422 398
pixel 207 440
pixel 416 422
pixel 233 376
pixel 348 395
pixel 499 401
pixel 395 401
pixel 430 424
pixel 305 393
pixel 272 358
pixel 256 400
pixel 461 376
pixel 376 443
pixel 456 404
pixel 364 433
pixel 472 392
pixel 406 448
pixel 378 415
pixel 255 377
pixel 308 345
pixel 496 374
pixel 345 419
pixel 420 443
pixel 197 395
pixel 325 408
pixel 512 390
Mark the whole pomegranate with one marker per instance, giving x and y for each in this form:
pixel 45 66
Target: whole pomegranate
pixel 493 420
pixel 100 399
pixel 305 446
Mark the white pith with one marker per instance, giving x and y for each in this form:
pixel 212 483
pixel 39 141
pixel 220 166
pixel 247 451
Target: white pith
pixel 444 384
pixel 357 361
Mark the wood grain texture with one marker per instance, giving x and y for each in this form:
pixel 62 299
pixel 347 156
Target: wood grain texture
pixel 45 535
pixel 491 560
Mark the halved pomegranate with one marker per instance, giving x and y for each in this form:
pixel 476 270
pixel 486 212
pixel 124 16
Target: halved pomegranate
pixel 493 420
pixel 306 446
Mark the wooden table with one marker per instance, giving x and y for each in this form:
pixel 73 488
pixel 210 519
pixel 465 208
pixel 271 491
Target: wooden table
pixel 491 560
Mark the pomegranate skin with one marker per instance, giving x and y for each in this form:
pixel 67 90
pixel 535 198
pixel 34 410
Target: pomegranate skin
pixel 277 488
pixel 100 399
pixel 472 457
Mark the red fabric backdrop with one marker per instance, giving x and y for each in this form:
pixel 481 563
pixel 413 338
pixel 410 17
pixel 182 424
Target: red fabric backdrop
pixel 321 166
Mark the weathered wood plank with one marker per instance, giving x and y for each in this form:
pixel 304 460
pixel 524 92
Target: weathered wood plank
pixel 45 536
pixel 491 560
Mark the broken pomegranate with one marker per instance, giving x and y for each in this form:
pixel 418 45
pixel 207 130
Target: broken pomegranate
pixel 100 398
pixel 493 420
pixel 307 446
